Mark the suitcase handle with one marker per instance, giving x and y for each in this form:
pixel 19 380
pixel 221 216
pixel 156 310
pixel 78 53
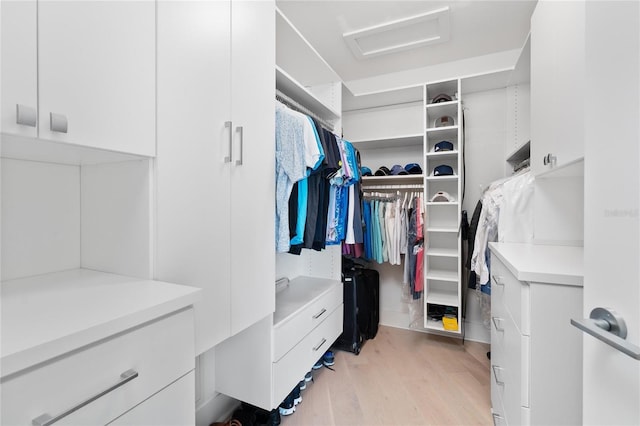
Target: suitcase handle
pixel 319 314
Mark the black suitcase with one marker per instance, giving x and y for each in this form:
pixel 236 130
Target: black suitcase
pixel 368 294
pixel 351 337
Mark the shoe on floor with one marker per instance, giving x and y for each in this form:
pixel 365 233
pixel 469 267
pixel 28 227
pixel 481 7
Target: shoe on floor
pixel 328 359
pixel 318 365
pixel 303 384
pixel 287 407
pixel 308 377
pixel 268 418
pixel 297 397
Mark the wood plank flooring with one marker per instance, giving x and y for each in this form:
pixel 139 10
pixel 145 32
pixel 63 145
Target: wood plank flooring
pixel 401 377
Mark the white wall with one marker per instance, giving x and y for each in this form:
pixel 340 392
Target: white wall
pixel 40 218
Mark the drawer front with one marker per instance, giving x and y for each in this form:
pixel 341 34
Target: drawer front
pixel 292 367
pixel 506 372
pixel 289 333
pixel 160 352
pixel 515 293
pixel 170 407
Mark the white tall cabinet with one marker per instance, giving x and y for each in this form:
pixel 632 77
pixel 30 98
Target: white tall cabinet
pixel 215 160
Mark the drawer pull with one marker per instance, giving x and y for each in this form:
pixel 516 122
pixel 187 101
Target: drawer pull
pixel 319 345
pixel 495 374
pixel 498 280
pixel 319 314
pixel 26 116
pixel 47 419
pixel 496 418
pixel 497 320
pixel 58 122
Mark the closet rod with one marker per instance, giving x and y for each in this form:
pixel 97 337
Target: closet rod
pixel 282 98
pixel 416 186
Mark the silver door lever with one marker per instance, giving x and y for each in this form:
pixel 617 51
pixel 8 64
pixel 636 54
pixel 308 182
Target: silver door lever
pixel 607 325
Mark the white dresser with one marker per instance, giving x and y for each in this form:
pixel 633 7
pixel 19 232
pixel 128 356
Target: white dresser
pixel 84 347
pixel 536 355
pixel 262 364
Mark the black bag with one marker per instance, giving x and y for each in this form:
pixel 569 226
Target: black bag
pixel 351 337
pixel 368 293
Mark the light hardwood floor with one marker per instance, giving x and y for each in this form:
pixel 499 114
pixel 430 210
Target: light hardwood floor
pixel 401 377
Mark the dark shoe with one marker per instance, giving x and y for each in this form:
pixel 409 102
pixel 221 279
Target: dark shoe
pixel 287 407
pixel 297 397
pixel 268 418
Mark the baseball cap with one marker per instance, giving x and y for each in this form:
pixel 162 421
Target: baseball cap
pixel 443 146
pixel 398 170
pixel 365 171
pixel 442 170
pixel 382 171
pixel 445 120
pixel 442 97
pixel 413 169
pixel 441 196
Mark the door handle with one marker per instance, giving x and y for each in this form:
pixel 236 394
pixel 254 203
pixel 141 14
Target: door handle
pixel 26 115
pixel 240 130
pixel 497 369
pixel 497 320
pixel 608 326
pixel 58 122
pixel 228 125
pixel 47 419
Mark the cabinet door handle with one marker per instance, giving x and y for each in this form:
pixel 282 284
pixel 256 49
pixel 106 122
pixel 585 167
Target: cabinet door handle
pixel 319 345
pixel 495 323
pixel 498 280
pixel 240 130
pixel 228 157
pixel 25 115
pixel 58 122
pixel 495 369
pixel 47 419
pixel 608 326
pixel 319 314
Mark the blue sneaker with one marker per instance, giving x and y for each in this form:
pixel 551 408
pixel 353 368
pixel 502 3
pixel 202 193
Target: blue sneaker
pixel 303 384
pixel 317 365
pixel 308 377
pixel 328 359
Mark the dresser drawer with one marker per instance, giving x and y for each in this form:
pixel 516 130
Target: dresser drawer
pixel 159 352
pixel 291 368
pixel 290 331
pixel 515 294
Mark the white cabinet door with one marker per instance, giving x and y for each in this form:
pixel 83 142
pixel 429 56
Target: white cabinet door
pixel 611 228
pixel 252 175
pixel 193 175
pixel 557 82
pixel 96 65
pixel 19 67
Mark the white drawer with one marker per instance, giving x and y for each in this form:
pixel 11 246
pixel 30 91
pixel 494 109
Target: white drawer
pixel 515 294
pixel 506 371
pixel 292 367
pixel 293 329
pixel 172 406
pixel 160 352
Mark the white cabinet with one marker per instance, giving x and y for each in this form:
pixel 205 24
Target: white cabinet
pixel 262 364
pixel 215 162
pixel 95 73
pixel 532 341
pixel 19 68
pixel 557 83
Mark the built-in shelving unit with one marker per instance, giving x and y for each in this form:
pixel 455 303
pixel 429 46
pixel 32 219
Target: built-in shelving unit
pixel 443 247
pixel 292 88
pixel 391 141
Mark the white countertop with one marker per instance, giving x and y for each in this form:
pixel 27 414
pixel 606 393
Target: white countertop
pixel 48 315
pixel 542 263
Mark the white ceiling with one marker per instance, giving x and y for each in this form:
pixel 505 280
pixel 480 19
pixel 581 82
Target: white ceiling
pixel 477 27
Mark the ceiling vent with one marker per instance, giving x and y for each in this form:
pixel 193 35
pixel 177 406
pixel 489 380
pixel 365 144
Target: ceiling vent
pixel 399 35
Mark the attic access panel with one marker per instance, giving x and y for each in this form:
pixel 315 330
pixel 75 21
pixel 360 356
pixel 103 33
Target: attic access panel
pixel 400 35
